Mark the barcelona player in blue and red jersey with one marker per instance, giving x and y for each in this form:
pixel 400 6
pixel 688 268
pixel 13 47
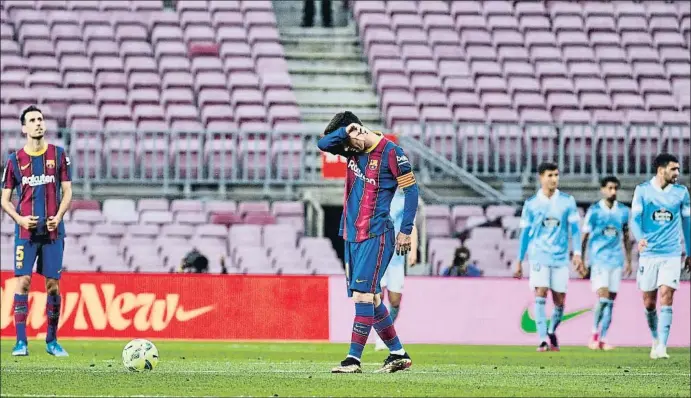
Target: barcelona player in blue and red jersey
pixel 40 172
pixel 376 168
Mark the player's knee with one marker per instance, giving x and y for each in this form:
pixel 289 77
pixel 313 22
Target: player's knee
pixel 603 292
pixel 395 299
pixel 52 287
pixel 666 296
pixel 541 291
pixel 559 299
pixel 23 284
pixel 612 295
pixel 360 297
pixel 649 302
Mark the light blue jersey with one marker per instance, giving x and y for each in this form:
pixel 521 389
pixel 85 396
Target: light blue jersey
pixel 545 227
pixel 397 215
pixel 606 228
pixel 659 216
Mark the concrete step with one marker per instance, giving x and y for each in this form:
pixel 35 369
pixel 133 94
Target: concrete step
pixel 325 69
pixel 320 45
pixel 318 98
pixel 325 113
pixel 333 86
pixel 339 65
pixel 329 80
pixel 296 32
pixel 354 56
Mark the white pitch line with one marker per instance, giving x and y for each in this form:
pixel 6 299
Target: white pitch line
pixel 250 372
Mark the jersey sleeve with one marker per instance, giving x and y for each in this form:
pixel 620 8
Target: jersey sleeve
pixel 636 223
pixel 526 233
pixel 334 142
pixel 65 167
pixel 401 168
pixel 8 181
pixel 575 229
pixel 588 221
pixel 402 171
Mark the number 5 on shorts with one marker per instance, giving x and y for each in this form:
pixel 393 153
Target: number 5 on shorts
pixel 19 257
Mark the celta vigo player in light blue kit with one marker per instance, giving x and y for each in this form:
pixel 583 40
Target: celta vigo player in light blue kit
pixel 547 219
pixel 607 251
pixel 376 168
pixel 660 209
pixel 393 278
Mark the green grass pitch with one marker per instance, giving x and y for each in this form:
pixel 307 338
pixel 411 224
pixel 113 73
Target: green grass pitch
pixel 94 368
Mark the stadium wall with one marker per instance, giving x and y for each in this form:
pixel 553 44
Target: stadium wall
pixel 315 308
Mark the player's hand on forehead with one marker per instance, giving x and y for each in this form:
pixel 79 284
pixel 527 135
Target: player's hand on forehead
pixel 355 129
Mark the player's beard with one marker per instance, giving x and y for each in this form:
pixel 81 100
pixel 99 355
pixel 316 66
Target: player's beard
pixel 671 179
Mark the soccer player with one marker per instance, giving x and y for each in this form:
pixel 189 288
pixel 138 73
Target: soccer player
pixel 376 168
pixel 660 209
pixel 607 251
pixel 392 281
pixel 547 219
pixel 40 172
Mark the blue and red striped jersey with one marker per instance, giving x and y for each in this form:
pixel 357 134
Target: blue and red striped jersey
pixel 37 177
pixel 371 181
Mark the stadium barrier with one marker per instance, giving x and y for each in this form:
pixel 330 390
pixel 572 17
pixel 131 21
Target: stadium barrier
pixel 500 150
pixel 491 311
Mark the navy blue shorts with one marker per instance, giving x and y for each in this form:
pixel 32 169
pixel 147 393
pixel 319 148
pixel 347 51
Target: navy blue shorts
pixel 46 254
pixel 366 262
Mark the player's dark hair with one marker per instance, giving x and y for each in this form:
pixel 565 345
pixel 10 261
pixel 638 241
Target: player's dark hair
pixel 663 159
pixel 608 179
pixel 32 108
pixel 546 166
pixel 341 119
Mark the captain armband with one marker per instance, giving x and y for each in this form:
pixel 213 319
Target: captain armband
pixel 406 180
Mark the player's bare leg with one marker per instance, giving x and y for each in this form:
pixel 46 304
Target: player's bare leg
pixel 541 317
pixel 665 320
pixel 21 309
pixel 558 299
pixel 53 315
pixel 650 304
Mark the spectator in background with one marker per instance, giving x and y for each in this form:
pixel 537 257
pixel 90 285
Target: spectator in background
pixel 461 266
pixel 308 13
pixel 194 262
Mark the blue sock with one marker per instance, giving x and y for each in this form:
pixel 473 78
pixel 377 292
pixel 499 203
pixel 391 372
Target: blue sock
pixel 383 324
pixel 651 317
pixel 362 325
pixel 394 313
pixel 665 323
pixel 53 315
pixel 606 318
pixel 21 309
pixel 541 318
pixel 597 317
pixel 556 319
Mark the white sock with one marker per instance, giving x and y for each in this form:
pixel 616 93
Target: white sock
pixel 398 352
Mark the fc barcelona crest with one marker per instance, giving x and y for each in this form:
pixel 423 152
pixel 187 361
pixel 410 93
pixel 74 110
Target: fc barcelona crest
pixel 50 164
pixel 373 164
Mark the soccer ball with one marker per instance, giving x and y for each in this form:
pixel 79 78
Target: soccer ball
pixel 140 355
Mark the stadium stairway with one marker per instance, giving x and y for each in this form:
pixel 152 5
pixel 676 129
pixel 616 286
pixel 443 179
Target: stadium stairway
pixel 327 67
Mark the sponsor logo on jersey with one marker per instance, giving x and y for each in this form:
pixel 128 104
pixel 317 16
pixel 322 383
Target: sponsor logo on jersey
pixel 352 165
pixel 34 181
pixel 610 231
pixel 662 216
pixel 551 222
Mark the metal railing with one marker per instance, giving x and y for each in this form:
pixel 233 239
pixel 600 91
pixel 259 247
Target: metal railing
pixel 484 150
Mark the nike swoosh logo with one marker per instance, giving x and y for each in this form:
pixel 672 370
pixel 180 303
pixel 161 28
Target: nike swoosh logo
pixel 360 280
pixel 184 316
pixel 528 323
pixel 25 166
